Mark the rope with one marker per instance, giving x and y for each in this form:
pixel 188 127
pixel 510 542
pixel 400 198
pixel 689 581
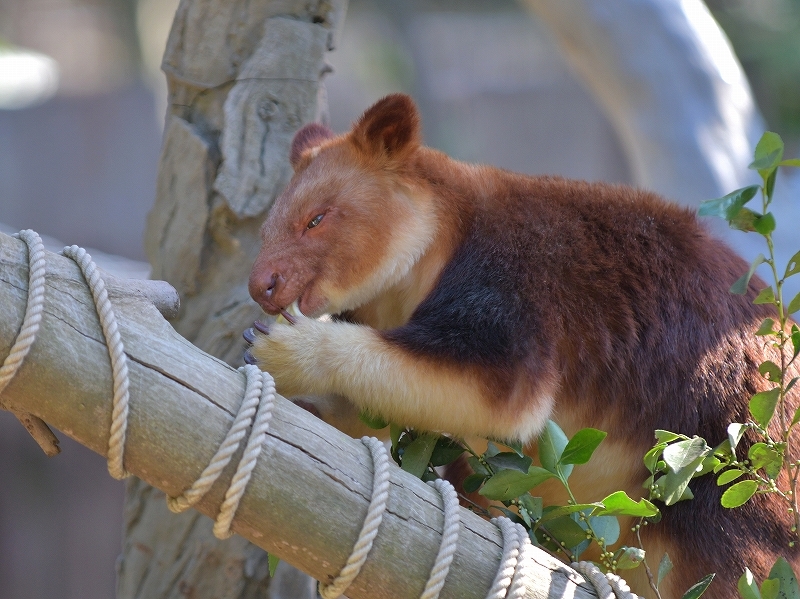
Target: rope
pixel 258 401
pixel 447 549
pixel 259 397
pixel 116 352
pixel 509 560
pixel 608 586
pixel 33 310
pixel 222 525
pixel 519 583
pixel 369 530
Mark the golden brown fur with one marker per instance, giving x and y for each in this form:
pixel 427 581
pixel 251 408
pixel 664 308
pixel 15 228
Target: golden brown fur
pixel 476 301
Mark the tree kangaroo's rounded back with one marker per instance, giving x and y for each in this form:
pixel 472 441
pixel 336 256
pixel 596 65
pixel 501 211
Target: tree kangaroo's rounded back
pixel 477 301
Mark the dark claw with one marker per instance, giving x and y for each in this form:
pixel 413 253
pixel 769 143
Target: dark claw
pixel 249 336
pixel 289 317
pixel 250 358
pixel 260 326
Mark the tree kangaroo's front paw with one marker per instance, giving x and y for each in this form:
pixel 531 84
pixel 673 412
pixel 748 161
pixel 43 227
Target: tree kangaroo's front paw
pixel 288 352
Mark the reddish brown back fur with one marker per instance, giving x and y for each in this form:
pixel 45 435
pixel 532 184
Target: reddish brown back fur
pixel 514 298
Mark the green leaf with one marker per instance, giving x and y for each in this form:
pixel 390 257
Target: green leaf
pixel 795 340
pixel 566 530
pixel 394 434
pixel 651 458
pixel 762 406
pixel 515 446
pixel 748 588
pixel 446 451
pixel 428 476
pixel 698 588
pixel 790 162
pixel 619 504
pixel 473 482
pixel 628 557
pixel 372 420
pixel 273 561
pixel 508 460
pixel 723 450
pixel 765 224
pixel 580 448
pixel 770 588
pixel 606 528
pixel 766 327
pixel 728 476
pixel 793 267
pixel 510 484
pixel 735 432
pixel 477 467
pixel 418 454
pixel 739 494
pixel 728 206
pixel 740 286
pixel 771 371
pixel 769 152
pixel 491 450
pixel 763 456
pixel 709 464
pixel 663 436
pixel 794 305
pixel 552 442
pixel 532 505
pixel 765 296
pixel 769 182
pixel 676 482
pixel 744 220
pixel 664 567
pixel 782 572
pixel 681 454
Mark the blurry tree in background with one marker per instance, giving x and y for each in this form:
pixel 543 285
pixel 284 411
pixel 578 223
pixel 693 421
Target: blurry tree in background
pixel 766 37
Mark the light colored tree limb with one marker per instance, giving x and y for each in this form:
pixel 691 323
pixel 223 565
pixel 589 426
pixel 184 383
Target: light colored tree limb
pixel 311 486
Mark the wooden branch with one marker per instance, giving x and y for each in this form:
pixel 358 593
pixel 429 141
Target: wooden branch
pixel 40 432
pixel 311 487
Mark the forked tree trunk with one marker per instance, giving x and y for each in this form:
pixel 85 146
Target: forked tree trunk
pixel 243 77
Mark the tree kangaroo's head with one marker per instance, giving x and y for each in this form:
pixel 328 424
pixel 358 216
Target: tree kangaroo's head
pixel 351 222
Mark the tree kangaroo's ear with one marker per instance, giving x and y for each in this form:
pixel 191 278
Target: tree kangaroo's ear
pixel 391 127
pixel 307 138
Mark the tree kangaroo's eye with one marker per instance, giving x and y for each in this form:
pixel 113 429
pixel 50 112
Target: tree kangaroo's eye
pixel 315 221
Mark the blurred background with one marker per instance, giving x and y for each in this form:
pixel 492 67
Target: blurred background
pixel 82 103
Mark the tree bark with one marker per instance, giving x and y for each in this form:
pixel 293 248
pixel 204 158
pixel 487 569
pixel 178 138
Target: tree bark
pixel 669 82
pixel 243 77
pixel 310 488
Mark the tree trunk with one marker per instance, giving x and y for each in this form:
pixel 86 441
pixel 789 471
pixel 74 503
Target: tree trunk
pixel 243 77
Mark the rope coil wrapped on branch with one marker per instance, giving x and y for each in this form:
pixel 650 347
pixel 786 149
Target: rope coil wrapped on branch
pixel 513 575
